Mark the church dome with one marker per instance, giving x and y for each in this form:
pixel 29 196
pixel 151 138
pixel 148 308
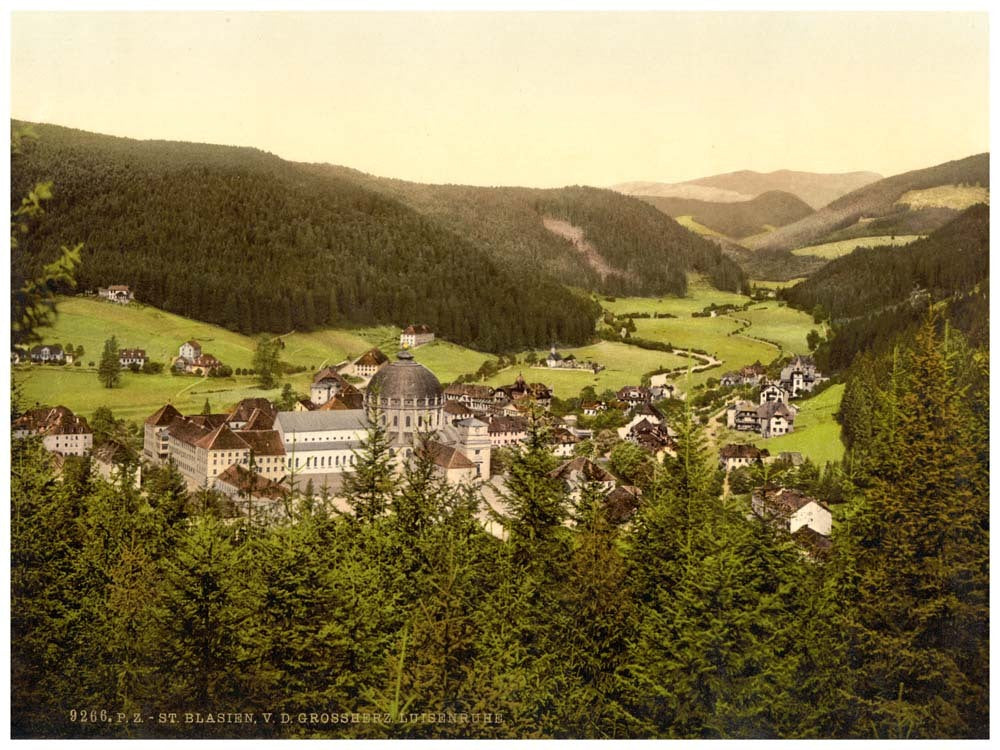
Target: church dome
pixel 404 379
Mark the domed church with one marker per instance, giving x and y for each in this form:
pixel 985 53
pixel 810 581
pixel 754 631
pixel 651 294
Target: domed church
pixel 409 401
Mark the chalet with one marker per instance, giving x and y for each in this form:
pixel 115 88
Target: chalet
pixel 129 357
pixel 252 494
pixel 735 456
pixel 749 375
pixel 504 431
pixel 117 293
pixel 367 364
pixel 790 509
pixel 772 392
pixel 61 430
pixel 633 395
pixel 304 404
pixel 563 441
pixel 190 350
pixel 539 393
pixel 579 472
pixel 329 383
pixel 656 439
pixel 775 418
pixel 593 408
pixel 622 503
pixel 477 397
pixel 800 376
pixel 643 411
pixel 202 365
pixel 554 359
pixel 414 336
pixel 742 416
pixel 48 354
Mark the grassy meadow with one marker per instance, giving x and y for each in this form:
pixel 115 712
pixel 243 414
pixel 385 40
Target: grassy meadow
pixel 765 284
pixel 694 226
pixel 831 250
pixel 784 325
pixel 956 197
pixel 817 434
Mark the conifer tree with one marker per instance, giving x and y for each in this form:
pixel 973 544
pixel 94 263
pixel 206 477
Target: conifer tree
pixel 109 369
pixel 370 488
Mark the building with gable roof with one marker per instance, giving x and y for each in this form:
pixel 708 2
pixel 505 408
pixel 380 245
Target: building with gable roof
pixel 415 335
pixel 61 430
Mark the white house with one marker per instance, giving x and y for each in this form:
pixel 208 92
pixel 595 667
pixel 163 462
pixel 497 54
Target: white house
pixel 415 335
pixel 791 510
pixel 190 350
pixel 118 293
pixel 61 430
pixel 127 357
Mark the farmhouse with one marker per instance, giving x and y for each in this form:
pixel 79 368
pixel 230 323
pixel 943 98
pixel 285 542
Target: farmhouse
pixel 775 418
pixel 129 357
pixel 790 510
pixel 62 431
pixel 367 364
pixel 414 336
pixel 328 384
pixel 772 392
pixel 190 350
pixel 735 456
pixel 633 395
pixel 49 354
pixel 120 294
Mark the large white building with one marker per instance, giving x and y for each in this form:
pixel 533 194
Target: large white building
pixel 61 430
pixel 321 442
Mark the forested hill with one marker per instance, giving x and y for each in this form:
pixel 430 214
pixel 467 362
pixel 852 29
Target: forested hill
pixel 645 251
pixel 737 219
pixel 238 237
pixel 877 209
pixel 874 293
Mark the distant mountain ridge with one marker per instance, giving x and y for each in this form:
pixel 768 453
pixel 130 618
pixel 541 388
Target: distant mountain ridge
pixel 875 209
pixel 814 188
pixel 738 219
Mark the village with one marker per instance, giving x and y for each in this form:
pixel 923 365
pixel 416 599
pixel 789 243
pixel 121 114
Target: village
pixel 257 456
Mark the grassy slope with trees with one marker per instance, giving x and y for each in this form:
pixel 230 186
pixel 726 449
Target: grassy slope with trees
pixel 878 201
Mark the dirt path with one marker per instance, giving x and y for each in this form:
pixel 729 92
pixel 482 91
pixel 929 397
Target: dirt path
pixel 707 363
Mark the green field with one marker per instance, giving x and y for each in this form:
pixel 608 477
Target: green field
pixel 694 226
pixel 625 365
pixel 700 295
pixel 817 434
pixel 831 250
pixel 955 197
pixel 776 284
pixel 89 321
pixel 780 323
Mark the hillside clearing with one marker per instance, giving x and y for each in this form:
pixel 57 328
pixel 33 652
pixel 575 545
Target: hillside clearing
pixel 831 250
pixel 956 197
pixel 817 433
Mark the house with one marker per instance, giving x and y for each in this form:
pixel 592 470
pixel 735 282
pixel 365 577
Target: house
pixel 742 416
pixel 260 411
pixel 772 392
pixel 593 408
pixel 252 494
pixel 129 357
pixel 477 397
pixel 539 393
pixel 660 392
pixel 117 293
pixel 190 351
pixel 791 510
pixel 800 376
pixel 321 442
pixel 643 411
pixel 735 456
pixel 414 336
pixel 329 383
pixel 563 441
pixel 654 438
pixel 367 364
pixel 456 410
pixel 304 404
pixel 470 436
pixel 579 472
pixel 61 430
pixel 812 543
pixel 775 418
pixel 554 359
pixel 48 354
pixel 622 503
pixel 504 431
pixel 633 395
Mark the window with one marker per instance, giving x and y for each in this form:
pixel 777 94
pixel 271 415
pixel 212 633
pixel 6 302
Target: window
pixel 407 421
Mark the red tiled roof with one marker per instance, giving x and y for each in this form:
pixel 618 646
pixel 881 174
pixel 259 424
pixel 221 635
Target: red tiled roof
pixel 246 481
pixel 591 471
pixel 371 358
pixel 447 457
pixel 220 439
pixel 56 420
pixel 419 329
pixel 262 442
pixel 734 450
pixel 163 416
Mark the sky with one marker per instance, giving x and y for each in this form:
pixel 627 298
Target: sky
pixel 535 99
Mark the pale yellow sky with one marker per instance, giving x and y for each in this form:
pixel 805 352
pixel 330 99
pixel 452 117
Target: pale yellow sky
pixel 542 99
